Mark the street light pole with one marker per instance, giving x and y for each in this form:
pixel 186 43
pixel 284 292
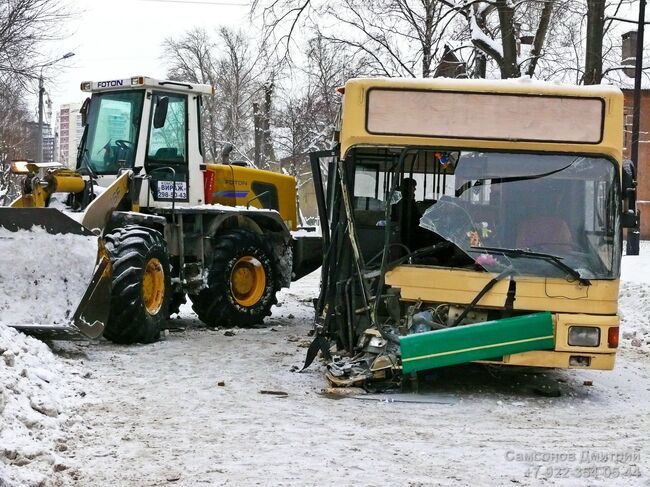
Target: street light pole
pixel 41 92
pixel 39 147
pixel 633 234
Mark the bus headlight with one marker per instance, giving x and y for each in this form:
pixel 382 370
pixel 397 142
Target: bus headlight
pixel 584 336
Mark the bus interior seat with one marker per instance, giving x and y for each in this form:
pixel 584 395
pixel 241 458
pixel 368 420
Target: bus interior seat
pixel 543 231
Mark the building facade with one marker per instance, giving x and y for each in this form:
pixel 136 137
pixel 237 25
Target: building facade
pixel 30 149
pixel 625 81
pixel 643 171
pixel 69 132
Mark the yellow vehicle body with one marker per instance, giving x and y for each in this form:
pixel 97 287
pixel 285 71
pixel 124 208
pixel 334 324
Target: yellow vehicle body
pixel 571 303
pixel 146 224
pixel 354 131
pixel 233 185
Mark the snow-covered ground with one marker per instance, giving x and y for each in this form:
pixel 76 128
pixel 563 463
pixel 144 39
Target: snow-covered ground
pixel 39 403
pixel 204 408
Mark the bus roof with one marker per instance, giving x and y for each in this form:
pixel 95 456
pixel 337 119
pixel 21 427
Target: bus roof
pixel 522 114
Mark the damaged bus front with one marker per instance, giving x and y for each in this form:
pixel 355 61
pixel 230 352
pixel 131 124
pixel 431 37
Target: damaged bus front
pixel 471 221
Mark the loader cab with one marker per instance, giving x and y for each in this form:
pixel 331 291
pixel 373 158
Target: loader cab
pixel 151 127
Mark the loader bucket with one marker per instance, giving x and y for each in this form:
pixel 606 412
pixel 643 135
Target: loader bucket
pixel 54 274
pixel 307 254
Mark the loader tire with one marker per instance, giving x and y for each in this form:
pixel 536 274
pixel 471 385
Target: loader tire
pixel 242 282
pixel 141 285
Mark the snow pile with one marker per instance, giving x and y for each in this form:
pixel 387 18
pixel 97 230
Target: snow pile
pixel 43 276
pixel 634 303
pixel 35 393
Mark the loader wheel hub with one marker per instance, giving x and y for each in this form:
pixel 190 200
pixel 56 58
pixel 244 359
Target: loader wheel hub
pixel 153 286
pixel 247 281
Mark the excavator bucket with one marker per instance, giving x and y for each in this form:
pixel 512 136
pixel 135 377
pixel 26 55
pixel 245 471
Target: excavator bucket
pixel 55 275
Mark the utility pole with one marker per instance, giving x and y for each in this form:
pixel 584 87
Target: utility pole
pixel 39 142
pixel 41 92
pixel 633 235
pixel 594 57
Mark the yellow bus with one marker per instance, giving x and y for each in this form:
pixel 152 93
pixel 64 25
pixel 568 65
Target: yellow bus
pixel 472 220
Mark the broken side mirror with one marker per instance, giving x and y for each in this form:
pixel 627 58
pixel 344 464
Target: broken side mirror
pixel 84 112
pixel 630 219
pixel 160 114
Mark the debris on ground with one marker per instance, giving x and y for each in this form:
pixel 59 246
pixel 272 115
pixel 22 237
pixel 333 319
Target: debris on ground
pixel 274 393
pixel 339 392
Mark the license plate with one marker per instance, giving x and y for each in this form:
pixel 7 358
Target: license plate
pixel 166 190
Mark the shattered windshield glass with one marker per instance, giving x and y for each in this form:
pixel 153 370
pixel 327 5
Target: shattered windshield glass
pixel 541 215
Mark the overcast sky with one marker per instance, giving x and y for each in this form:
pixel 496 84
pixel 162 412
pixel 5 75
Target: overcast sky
pixel 115 39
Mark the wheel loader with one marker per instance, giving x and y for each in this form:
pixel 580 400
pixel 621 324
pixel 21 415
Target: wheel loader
pixel 116 245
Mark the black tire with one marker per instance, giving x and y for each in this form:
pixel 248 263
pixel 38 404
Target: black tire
pixel 133 249
pixel 218 304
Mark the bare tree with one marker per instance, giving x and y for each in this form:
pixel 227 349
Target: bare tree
pixel 328 67
pixel 306 119
pixel 410 37
pixel 280 19
pixel 190 58
pixel 498 31
pixel 237 67
pixel 594 50
pixel 294 136
pixel 13 137
pixel 25 26
pixel 584 42
pixel 398 37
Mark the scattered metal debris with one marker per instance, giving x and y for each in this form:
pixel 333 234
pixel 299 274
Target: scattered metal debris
pixel 275 393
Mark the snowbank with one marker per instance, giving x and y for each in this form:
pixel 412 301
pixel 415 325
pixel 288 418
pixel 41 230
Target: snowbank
pixel 634 304
pixel 36 400
pixel 43 276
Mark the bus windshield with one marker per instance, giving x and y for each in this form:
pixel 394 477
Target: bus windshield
pixel 564 207
pixel 110 139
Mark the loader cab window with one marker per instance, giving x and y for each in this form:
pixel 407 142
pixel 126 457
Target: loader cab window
pixel 111 136
pixel 166 161
pixel 266 194
pixel 168 129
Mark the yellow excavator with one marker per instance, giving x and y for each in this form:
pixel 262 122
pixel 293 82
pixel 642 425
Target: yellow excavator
pixel 115 246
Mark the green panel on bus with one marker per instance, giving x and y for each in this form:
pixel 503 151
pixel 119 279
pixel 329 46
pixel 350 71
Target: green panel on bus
pixel 479 341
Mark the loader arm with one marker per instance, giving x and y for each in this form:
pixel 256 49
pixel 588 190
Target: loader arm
pixel 99 211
